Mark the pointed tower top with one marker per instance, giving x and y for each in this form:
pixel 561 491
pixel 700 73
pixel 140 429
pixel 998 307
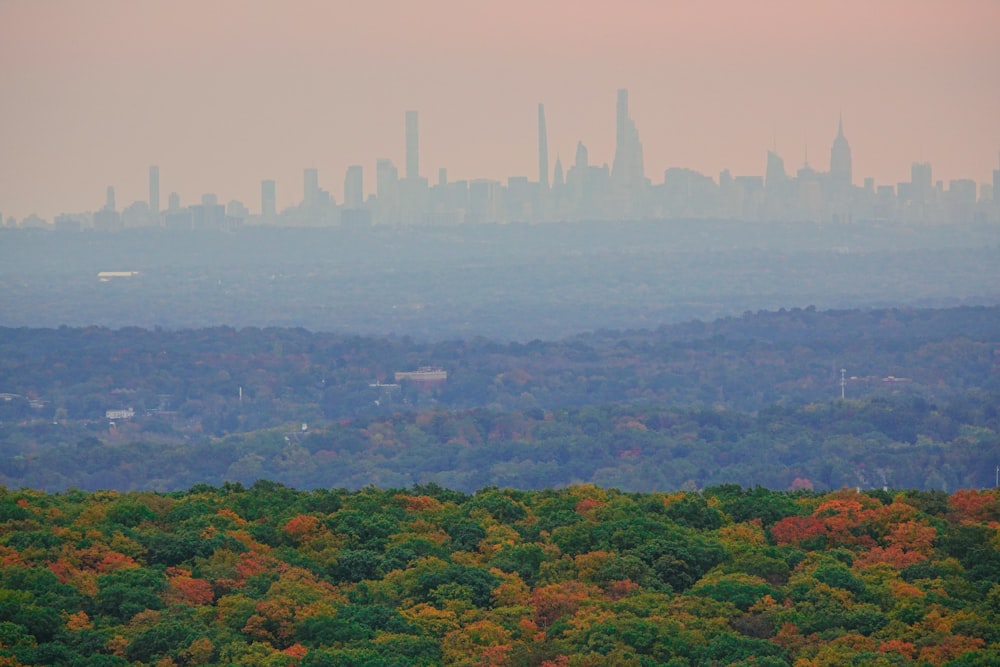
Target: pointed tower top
pixel 840 126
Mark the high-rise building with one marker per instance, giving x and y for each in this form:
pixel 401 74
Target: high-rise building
pixel 840 161
pixel 557 174
pixel 109 199
pixel 582 156
pixel 628 172
pixel 621 123
pixel 775 175
pixel 268 200
pixel 412 145
pixel 386 192
pixel 154 191
pixel 310 187
pixel 543 149
pixel 354 191
pixel 921 183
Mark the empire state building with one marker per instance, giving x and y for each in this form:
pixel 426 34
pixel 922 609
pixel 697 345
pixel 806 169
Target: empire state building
pixel 840 161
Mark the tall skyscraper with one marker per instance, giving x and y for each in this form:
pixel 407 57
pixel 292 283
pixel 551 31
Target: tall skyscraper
pixel 621 126
pixel 310 186
pixel 775 175
pixel 109 199
pixel 557 174
pixel 628 173
pixel 412 145
pixel 921 182
pixel 354 191
pixel 268 201
pixel 154 191
pixel 543 149
pixel 386 192
pixel 840 160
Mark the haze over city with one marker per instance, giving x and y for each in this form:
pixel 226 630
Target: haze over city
pixel 222 95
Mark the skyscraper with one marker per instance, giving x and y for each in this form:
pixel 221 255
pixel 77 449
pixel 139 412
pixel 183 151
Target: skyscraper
pixel 775 175
pixel 412 145
pixel 621 124
pixel 921 180
pixel 154 191
pixel 268 203
pixel 628 173
pixel 386 192
pixel 557 174
pixel 310 187
pixel 354 191
pixel 543 149
pixel 840 160
pixel 109 200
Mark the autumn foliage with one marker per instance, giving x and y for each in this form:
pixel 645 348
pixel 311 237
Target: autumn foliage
pixel 578 577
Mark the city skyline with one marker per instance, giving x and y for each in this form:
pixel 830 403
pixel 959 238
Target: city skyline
pixel 223 95
pixel 586 190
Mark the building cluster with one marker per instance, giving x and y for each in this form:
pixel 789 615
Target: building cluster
pixel 583 191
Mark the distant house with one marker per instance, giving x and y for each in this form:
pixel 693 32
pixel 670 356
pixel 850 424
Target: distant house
pixel 105 276
pixel 423 374
pixel 127 413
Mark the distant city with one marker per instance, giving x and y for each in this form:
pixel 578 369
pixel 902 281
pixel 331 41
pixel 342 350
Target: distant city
pixel 583 191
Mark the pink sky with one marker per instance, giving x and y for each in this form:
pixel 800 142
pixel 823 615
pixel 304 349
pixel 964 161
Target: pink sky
pixel 222 94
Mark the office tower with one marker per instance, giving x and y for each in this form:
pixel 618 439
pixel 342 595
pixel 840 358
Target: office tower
pixel 920 182
pixel 354 191
pixel 628 175
pixel 268 201
pixel 386 177
pixel 621 124
pixel 154 191
pixel 443 176
pixel 386 192
pixel 840 160
pixel 236 210
pixel 412 145
pixel 543 149
pixel 109 200
pixel 173 202
pixel 310 187
pixel 775 175
pixel 582 156
pixel 557 174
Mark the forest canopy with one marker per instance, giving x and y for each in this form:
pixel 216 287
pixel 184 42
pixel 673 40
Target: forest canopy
pixel 585 576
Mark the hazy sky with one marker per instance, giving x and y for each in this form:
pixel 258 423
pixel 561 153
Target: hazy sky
pixel 221 94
